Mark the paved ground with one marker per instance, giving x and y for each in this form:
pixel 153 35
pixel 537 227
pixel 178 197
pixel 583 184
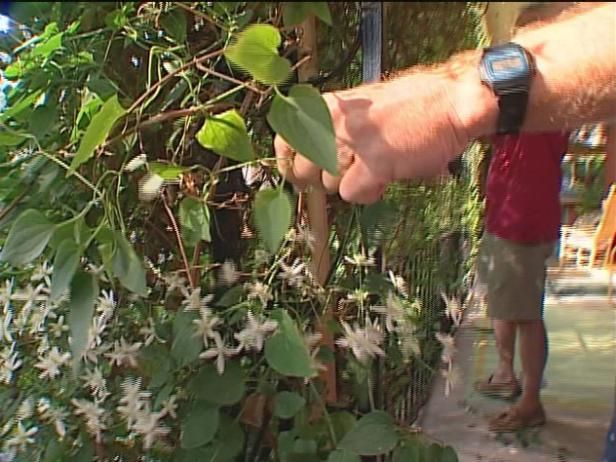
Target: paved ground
pixel 579 396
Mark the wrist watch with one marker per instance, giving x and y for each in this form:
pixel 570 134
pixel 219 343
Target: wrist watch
pixel 508 70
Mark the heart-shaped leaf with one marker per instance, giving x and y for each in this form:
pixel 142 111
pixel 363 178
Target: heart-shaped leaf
pixel 65 265
pixel 256 52
pixel 287 404
pixel 226 135
pixel 273 216
pixel 373 435
pixel 84 290
pixel 195 221
pixel 303 120
pixel 293 13
pixel 199 426
pixel 286 352
pixel 27 238
pixel 97 131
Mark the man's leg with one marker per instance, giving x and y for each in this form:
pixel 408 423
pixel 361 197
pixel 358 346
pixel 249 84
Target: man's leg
pixel 505 336
pixel 533 342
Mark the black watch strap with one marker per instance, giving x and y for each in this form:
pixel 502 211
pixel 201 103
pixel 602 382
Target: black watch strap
pixel 512 109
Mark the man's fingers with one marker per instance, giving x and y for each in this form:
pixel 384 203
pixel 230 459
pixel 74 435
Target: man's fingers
pixel 359 184
pixel 284 158
pixel 305 172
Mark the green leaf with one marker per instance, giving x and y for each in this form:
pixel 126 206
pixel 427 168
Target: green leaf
pixel 156 364
pixel 231 297
pixel 42 120
pixel 186 345
pixel 342 423
pixel 25 103
pixel 65 265
pixel 194 221
pixel 448 454
pixel 226 135
pixel 199 426
pixel 27 238
pixel 303 120
pixel 294 13
pixel 286 352
pixel 287 404
pixel 174 24
pixel 84 291
pixel 256 51
pixel 166 171
pixel 97 131
pixel 273 216
pixel 409 453
pixel 55 452
pixel 127 266
pixel 433 452
pixel 229 442
pixel 225 389
pixel 11 139
pixel 340 455
pixel 46 48
pixel 373 435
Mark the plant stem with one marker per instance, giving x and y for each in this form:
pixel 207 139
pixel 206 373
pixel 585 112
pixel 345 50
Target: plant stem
pixel 178 237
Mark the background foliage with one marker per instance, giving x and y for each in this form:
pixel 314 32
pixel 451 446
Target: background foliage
pixel 142 319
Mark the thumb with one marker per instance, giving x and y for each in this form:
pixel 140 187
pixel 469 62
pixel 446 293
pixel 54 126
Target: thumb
pixel 360 185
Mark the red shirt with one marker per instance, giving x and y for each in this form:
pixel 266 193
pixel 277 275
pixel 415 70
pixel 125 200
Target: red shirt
pixel 523 186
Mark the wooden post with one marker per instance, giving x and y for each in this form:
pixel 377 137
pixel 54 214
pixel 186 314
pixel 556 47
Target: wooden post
pixel 316 203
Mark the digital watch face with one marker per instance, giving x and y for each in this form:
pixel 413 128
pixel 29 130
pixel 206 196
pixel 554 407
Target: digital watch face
pixel 506 68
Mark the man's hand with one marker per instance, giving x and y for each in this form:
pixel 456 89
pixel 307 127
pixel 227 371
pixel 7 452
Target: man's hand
pixel 401 129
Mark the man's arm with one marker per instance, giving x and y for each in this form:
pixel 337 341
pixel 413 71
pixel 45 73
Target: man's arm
pixel 576 74
pixel 412 125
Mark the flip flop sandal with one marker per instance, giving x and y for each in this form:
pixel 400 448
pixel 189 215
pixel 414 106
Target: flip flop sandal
pixel 511 420
pixel 507 391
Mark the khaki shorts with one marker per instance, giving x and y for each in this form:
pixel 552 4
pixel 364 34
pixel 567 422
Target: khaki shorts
pixel 514 275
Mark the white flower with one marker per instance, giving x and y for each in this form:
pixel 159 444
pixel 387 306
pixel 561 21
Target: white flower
pixel 449 348
pixel 392 311
pixel 358 296
pixel 6 294
pixel 94 416
pixel 5 326
pixel 58 328
pixel 149 333
pixel 54 416
pixel 253 335
pixel 25 409
pixel 175 281
pixel 398 283
pixel 9 363
pixel 364 342
pixel 302 235
pixel 220 352
pixel 260 291
pixel 170 406
pixel 148 426
pixel 293 274
pixel 95 381
pixel 21 437
pixel 205 325
pixel 98 271
pixel 29 295
pixel 452 376
pixel 360 259
pixel 106 305
pixel 133 400
pixel 453 309
pixel 228 274
pixel 124 353
pixel 50 365
pixel 409 345
pixel 135 163
pixel 42 272
pixel 193 300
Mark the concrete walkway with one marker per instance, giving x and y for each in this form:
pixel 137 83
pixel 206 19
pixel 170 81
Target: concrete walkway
pixel 579 396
